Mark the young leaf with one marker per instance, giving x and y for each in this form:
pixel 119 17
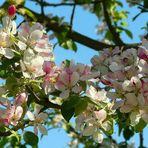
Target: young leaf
pixel 30 138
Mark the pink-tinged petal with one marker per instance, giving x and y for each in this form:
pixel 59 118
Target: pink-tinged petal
pixel 25 27
pixel 142 54
pixel 136 82
pixel 37 109
pixel 21 99
pixel 42 129
pixel 126 108
pixel 64 78
pixel 42 117
pixel 36 35
pixel 117 104
pixel 64 94
pixel 77 89
pixel 100 115
pixel 74 78
pixel 131 99
pixel 35 129
pixel 18 112
pixel 127 86
pixel 145 117
pixel 60 86
pixel 4 102
pixel 89 130
pixel 141 100
pixel 30 115
pixel 47 66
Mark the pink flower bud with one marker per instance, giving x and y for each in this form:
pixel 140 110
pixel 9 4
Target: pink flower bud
pixel 47 67
pixel 11 10
pixel 142 54
pixel 21 98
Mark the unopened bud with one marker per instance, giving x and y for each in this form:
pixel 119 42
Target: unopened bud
pixel 21 98
pixel 11 10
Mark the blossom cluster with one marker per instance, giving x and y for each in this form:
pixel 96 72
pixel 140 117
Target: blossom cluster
pixel 116 81
pixel 125 72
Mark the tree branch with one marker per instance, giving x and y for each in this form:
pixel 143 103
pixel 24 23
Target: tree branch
pixel 75 36
pixel 46 4
pixel 116 36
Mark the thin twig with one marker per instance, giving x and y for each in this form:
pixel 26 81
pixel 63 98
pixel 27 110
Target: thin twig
pixel 72 17
pixel 44 101
pixel 42 7
pixel 111 28
pixel 141 140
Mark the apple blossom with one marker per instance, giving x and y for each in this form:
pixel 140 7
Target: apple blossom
pixel 38 119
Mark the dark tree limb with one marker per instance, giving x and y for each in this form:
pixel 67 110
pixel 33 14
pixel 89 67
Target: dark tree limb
pixel 75 36
pixel 46 4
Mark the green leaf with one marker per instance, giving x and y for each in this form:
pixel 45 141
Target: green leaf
pixel 67 111
pixel 80 107
pixel 30 138
pixel 140 126
pixel 27 12
pixel 128 133
pixel 71 45
pixel 68 107
pixel 129 33
pixel 124 24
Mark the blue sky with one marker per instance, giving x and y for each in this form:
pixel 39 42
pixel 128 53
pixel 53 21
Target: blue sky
pixel 85 23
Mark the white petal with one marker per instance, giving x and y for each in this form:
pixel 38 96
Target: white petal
pixel 100 115
pixel 37 109
pixel 21 45
pixel 140 99
pixel 18 112
pixel 36 35
pixel 89 130
pixel 135 118
pixel 8 53
pixel 106 125
pixel 98 137
pixel 30 115
pixel 115 67
pixel 131 99
pixel 145 117
pixel 35 129
pixel 126 108
pixel 42 116
pixel 65 94
pixel 74 78
pixel 42 129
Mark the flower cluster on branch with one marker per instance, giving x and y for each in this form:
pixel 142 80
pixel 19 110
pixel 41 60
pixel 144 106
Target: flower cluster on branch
pixel 117 82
